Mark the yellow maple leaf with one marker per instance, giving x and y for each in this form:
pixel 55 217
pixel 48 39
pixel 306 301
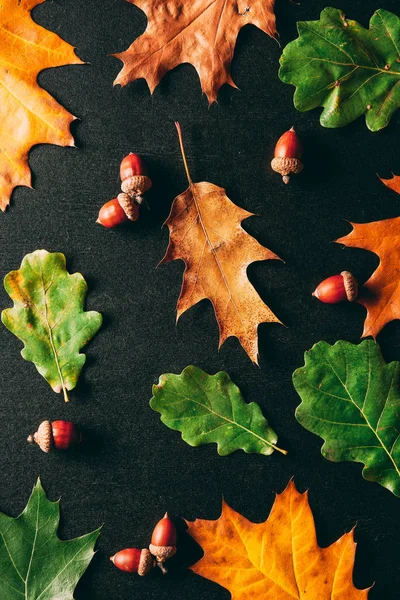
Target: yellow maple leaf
pixel 29 115
pixel 276 560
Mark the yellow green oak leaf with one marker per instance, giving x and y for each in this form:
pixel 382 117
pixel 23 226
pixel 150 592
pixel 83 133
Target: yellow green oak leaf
pixel 34 563
pixel 210 409
pixel 48 316
pixel 351 399
pixel 345 68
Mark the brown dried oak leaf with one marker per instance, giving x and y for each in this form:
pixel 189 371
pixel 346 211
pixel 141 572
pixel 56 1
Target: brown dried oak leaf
pixel 381 293
pixel 206 233
pixel 276 560
pixel 29 115
pixel 200 32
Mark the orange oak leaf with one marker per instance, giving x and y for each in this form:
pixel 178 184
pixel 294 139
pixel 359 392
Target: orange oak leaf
pixel 393 183
pixel 276 560
pixel 200 32
pixel 206 233
pixel 29 115
pixel 381 293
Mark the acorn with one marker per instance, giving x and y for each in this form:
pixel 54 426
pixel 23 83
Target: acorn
pixel 135 182
pixel 337 288
pixel 163 541
pixel 59 435
pixel 133 560
pixel 287 155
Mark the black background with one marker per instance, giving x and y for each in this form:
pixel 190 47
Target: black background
pixel 133 467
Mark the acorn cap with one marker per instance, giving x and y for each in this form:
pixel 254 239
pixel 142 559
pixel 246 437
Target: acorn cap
pixel 146 562
pixel 43 437
pixel 162 553
pixel 128 205
pixel 350 285
pixel 286 166
pixel 136 185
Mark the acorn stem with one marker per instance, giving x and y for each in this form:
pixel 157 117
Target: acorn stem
pixel 164 571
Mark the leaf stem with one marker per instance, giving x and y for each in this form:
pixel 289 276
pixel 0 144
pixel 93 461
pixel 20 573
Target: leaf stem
pixel 178 127
pixel 279 449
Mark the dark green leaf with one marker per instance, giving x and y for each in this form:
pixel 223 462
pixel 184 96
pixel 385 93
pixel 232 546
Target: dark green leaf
pixel 34 563
pixel 349 70
pixel 351 399
pixel 210 409
pixel 49 317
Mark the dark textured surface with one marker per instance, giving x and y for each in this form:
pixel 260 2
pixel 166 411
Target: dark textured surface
pixel 134 468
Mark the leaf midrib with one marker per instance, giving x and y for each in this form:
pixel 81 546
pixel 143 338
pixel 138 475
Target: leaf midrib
pixel 192 187
pixel 50 334
pixel 219 415
pixel 361 409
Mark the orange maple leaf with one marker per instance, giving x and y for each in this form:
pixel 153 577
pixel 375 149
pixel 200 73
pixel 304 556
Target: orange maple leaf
pixel 200 32
pixel 29 115
pixel 276 560
pixel 381 293
pixel 206 233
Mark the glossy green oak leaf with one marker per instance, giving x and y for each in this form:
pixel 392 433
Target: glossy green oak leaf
pixel 48 316
pixel 210 409
pixel 351 399
pixel 34 563
pixel 349 70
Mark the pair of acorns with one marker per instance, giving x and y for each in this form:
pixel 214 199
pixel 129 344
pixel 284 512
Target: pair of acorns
pixel 142 560
pixel 62 435
pixel 125 207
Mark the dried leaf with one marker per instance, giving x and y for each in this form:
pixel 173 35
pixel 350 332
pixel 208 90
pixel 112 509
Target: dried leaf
pixel 276 560
pixel 29 115
pixel 393 183
pixel 206 233
pixel 49 317
pixel 381 293
pixel 210 409
pixel 351 399
pixel 200 32
pixel 349 70
pixel 34 562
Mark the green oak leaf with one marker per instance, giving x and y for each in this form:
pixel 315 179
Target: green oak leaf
pixel 34 563
pixel 210 409
pixel 48 316
pixel 349 70
pixel 351 399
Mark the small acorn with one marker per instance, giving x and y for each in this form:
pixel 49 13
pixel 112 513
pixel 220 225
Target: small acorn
pixel 133 560
pixel 125 207
pixel 287 155
pixel 59 435
pixel 163 541
pixel 337 288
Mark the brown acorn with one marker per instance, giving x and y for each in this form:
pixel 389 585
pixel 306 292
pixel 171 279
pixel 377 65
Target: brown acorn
pixel 133 560
pixel 163 541
pixel 287 155
pixel 59 435
pixel 337 288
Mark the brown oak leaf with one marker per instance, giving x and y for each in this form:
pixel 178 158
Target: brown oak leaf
pixel 206 233
pixel 276 560
pixel 29 115
pixel 381 293
pixel 200 32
